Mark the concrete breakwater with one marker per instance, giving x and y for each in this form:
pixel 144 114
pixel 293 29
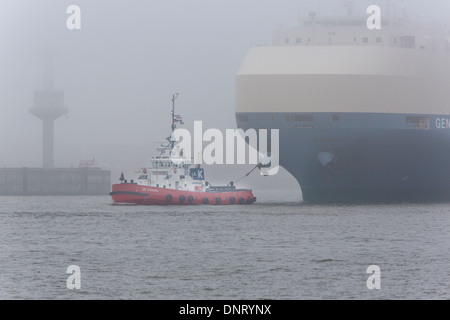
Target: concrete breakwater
pixel 54 181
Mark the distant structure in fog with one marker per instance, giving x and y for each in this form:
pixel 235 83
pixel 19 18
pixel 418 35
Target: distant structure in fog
pixel 87 180
pixel 48 106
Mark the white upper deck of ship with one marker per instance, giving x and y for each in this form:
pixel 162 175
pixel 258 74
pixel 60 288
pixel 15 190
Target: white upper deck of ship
pixel 338 64
pixel 351 30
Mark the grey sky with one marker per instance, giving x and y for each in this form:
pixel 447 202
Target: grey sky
pixel 120 70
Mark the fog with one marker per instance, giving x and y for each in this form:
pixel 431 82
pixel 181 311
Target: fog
pixel 120 70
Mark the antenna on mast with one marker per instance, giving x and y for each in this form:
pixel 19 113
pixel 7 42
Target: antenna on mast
pixel 390 7
pixel 172 142
pixel 174 97
pixel 348 4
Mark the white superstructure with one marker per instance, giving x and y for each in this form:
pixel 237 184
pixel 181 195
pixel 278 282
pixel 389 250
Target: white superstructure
pixel 336 64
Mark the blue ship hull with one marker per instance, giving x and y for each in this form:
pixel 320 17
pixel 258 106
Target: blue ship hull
pixel 362 157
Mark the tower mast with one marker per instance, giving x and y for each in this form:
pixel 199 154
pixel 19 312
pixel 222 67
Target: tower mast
pixel 48 106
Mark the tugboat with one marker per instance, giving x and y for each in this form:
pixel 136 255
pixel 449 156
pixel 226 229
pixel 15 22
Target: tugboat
pixel 171 180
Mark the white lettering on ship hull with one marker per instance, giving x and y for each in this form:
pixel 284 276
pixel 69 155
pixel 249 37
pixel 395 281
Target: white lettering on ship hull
pixel 443 123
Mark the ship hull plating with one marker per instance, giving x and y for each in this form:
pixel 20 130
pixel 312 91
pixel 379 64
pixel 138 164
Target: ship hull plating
pixel 362 157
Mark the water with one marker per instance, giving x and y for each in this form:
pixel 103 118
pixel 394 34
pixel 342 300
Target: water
pixel 268 250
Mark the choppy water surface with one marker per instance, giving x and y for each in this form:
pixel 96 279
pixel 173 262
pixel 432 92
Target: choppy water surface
pixel 269 250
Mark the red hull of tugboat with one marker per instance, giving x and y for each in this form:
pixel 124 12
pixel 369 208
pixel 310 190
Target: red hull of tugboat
pixel 146 195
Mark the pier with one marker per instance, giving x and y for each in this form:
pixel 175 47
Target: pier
pixel 83 181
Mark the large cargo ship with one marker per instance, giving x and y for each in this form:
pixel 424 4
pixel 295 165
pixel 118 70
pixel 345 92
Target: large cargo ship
pixel 364 115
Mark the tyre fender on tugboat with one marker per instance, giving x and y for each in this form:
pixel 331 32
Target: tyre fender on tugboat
pixel 169 198
pixel 191 199
pixel 232 200
pixel 241 201
pixel 182 198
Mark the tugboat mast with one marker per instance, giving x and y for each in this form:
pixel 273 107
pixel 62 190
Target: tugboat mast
pixel 174 97
pixel 172 142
